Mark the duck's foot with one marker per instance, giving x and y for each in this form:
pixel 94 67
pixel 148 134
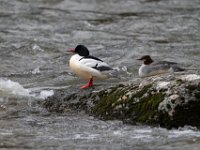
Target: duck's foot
pixel 89 84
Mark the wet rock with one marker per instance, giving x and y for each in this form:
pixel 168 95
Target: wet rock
pixel 167 100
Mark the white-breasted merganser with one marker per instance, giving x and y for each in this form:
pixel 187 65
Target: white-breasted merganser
pixel 151 68
pixel 86 66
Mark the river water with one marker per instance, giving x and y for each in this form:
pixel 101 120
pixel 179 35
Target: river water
pixel 34 38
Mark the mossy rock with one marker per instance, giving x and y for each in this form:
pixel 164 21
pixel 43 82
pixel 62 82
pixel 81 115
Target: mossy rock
pixel 139 106
pixel 167 101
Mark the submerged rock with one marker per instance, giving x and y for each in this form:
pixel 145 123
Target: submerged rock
pixel 166 100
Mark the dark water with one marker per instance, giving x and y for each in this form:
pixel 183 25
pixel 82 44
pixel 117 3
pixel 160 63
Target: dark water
pixel 34 38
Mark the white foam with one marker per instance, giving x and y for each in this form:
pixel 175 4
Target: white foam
pixel 37 48
pixel 184 133
pixel 10 87
pixel 36 70
pixel 46 93
pixel 86 136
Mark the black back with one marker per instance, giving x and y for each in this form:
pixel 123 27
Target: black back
pixel 91 57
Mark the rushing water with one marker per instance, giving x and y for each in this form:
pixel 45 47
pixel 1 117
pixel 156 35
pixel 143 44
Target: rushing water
pixel 34 38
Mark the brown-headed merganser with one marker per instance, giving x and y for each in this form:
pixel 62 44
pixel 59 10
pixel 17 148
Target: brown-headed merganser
pixel 151 67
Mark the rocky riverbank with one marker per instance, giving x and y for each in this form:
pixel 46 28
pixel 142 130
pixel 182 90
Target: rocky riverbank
pixel 167 101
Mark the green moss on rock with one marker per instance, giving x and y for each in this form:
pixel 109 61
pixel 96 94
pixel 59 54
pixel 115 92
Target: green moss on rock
pixel 140 106
pixel 147 109
pixel 105 107
pixel 172 105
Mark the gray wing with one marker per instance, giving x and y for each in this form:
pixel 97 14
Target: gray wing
pixel 165 65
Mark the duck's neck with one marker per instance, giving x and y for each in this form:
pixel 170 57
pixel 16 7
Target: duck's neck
pixel 148 61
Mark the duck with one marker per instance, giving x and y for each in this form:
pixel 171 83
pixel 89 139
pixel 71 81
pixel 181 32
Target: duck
pixel 152 68
pixel 87 66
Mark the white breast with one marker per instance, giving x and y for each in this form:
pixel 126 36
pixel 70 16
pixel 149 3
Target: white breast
pixel 151 70
pixel 83 68
pixel 141 70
